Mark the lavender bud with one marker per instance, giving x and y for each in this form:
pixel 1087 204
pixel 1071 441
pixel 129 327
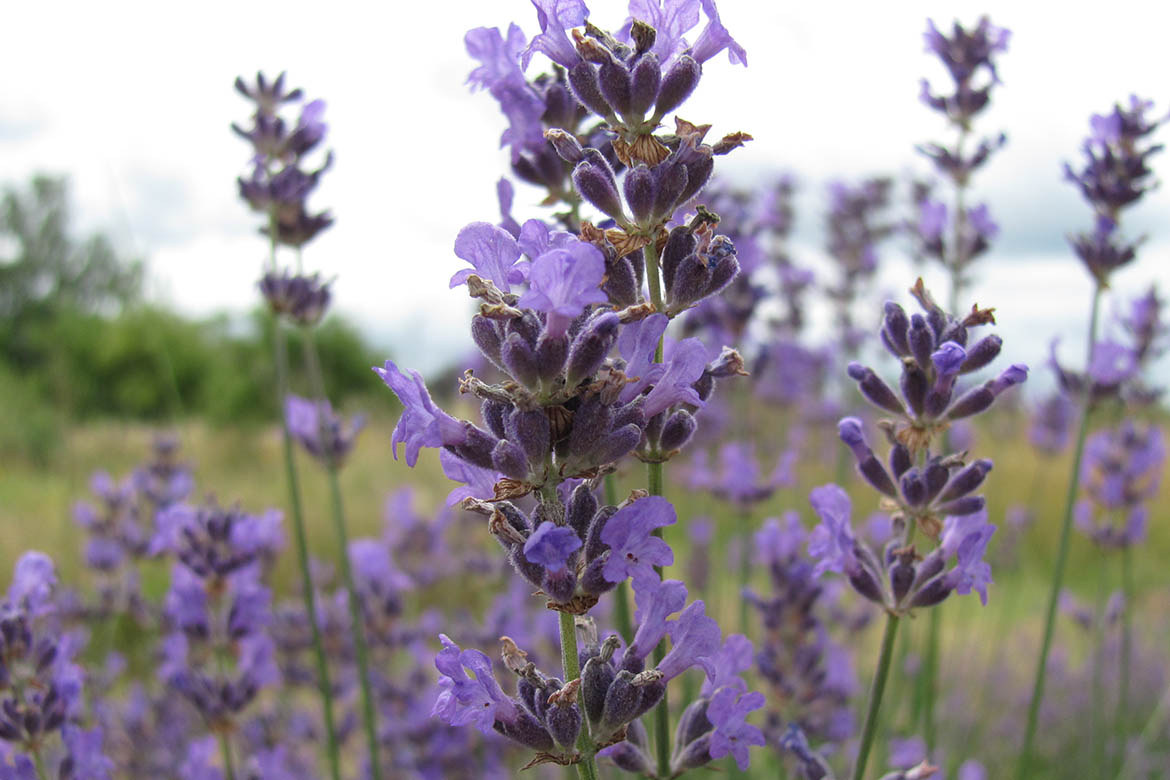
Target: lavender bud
pixel 680 244
pixel 921 341
pixel 596 678
pixel 564 724
pixel 594 547
pixel 644 80
pixel 677 85
pixel 639 189
pixel 520 360
pixel 894 327
pixel 581 509
pixel 529 430
pixel 509 460
pixel 560 585
pixel 699 171
pixel 966 480
pixel 691 280
pixel 551 352
pixel 526 730
pixel 934 592
pixel 477 447
pixel 935 475
pixel 693 723
pixel 621 703
pixel 899 460
pixel 652 693
pixel 614 80
pixel 677 431
pixel 527 691
pixel 930 566
pixel 984 351
pixel 1014 375
pixel 705 385
pixel 583 81
pixel 617 444
pixel 621 282
pixel 694 755
pixel 591 420
pixel 672 182
pixel 494 413
pixel 865 583
pixel 913 488
pixel 726 264
pixel 938 398
pixel 875 390
pixel 527 327
pixel 974 401
pixel 630 758
pixel 593 579
pixel 566 145
pixel 598 186
pixel 486 336
pixel 967 505
pixel 914 386
pixel 901 576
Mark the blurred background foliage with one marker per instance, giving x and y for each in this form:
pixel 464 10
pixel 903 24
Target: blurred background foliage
pixel 78 342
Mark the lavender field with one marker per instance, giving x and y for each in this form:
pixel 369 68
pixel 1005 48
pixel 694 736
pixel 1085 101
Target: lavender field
pixel 714 466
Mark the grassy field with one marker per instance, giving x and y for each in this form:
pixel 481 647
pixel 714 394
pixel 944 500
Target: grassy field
pixel 245 466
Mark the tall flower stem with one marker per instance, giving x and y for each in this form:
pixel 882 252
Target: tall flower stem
pixel 654 485
pixel 1097 711
pixel 225 749
pixel 621 596
pixel 1022 769
pixel 873 708
pixel 1121 722
pixel 324 686
pixel 357 624
pixel 570 664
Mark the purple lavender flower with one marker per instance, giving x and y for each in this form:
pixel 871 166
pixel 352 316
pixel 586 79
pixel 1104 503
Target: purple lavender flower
pixel 321 432
pixel 492 251
pixel 422 423
pixel 1121 472
pixel 563 282
pixel 714 39
pixel 967 538
pixel 634 550
pixel 556 17
pixel 476 700
pixel 551 545
pixel 733 735
pixel 832 541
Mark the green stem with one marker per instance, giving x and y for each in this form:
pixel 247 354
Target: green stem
pixel 308 592
pixel 869 729
pixel 570 664
pixel 1022 770
pixel 1127 590
pixel 357 624
pixel 745 575
pixel 39 764
pixel 662 711
pixel 225 749
pixel 930 679
pixel 1097 711
pixel 650 260
pixel 622 615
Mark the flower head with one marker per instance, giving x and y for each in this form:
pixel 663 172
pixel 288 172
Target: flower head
pixel 634 550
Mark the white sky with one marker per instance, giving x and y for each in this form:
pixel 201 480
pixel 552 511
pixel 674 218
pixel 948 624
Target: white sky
pixel 133 102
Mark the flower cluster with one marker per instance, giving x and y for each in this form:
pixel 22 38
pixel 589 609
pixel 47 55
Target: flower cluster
pixel 279 186
pixel 1121 472
pixel 41 685
pixel 218 608
pixel 934 349
pixel 811 677
pixel 966 54
pixel 1115 175
pixel 855 226
pixel 898 578
pixel 318 429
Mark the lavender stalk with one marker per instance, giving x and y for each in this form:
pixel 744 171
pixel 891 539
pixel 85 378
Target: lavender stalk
pixel 877 688
pixel 357 626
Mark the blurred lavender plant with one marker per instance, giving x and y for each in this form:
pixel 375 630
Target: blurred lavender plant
pixel 922 491
pixel 41 685
pixel 856 224
pixel 969 56
pixel 1115 175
